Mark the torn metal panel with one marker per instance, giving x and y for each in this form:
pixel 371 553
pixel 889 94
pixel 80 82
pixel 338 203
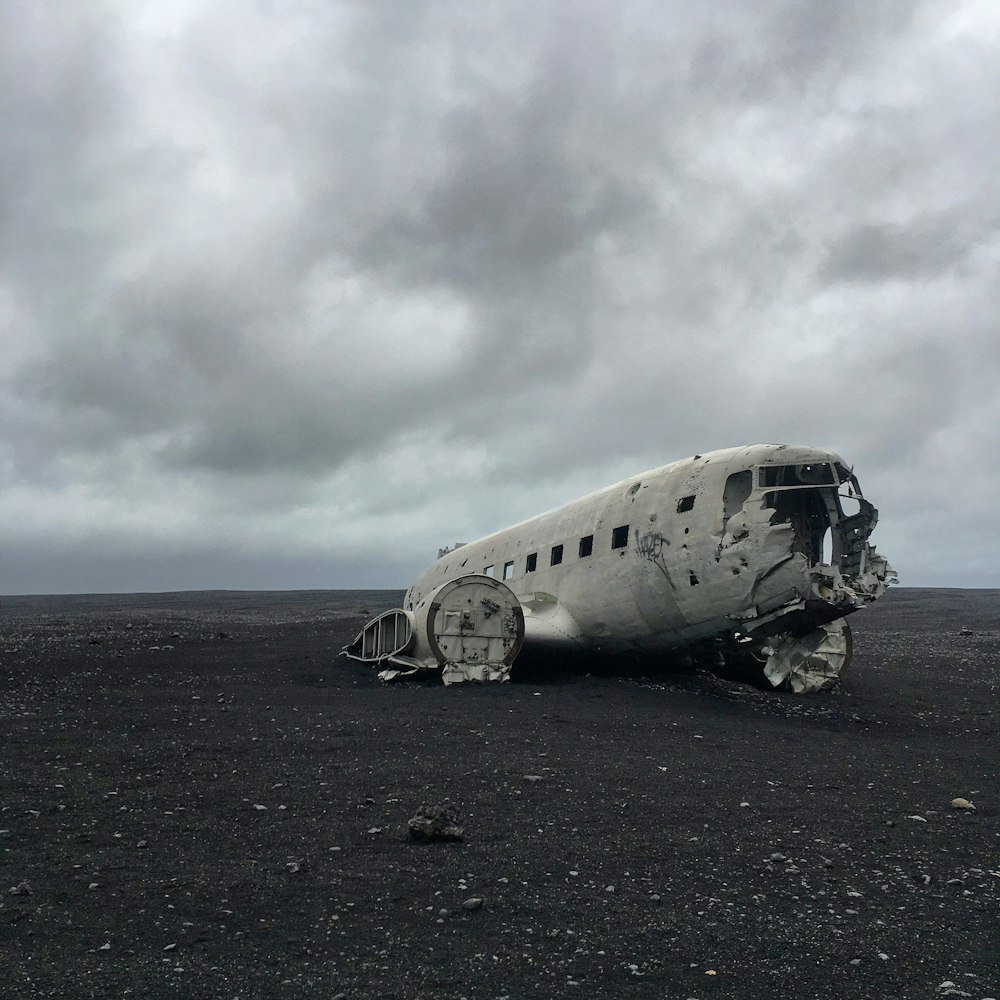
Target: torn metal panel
pixel 810 662
pixel 388 635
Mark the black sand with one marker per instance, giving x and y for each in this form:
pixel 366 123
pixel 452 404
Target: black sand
pixel 200 799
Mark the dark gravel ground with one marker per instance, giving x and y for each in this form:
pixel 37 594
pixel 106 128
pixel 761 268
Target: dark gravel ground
pixel 200 800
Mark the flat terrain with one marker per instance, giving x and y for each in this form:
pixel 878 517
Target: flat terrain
pixel 199 799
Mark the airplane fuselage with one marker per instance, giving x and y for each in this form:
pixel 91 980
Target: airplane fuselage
pixel 738 545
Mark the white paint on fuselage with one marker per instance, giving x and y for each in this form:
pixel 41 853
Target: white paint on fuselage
pixel 680 576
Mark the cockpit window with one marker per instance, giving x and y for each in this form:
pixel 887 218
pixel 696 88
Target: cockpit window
pixel 807 474
pixel 738 487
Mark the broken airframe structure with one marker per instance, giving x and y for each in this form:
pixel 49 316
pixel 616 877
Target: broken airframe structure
pixel 753 554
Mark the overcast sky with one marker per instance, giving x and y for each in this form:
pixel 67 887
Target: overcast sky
pixel 293 292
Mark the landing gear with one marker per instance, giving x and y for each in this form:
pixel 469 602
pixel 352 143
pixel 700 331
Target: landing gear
pixel 811 662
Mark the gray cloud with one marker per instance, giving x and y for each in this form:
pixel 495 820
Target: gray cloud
pixel 327 285
pixel 921 248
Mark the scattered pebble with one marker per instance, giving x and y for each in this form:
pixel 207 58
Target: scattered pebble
pixel 435 823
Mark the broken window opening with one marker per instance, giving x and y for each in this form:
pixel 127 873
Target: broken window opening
pixel 619 537
pixel 556 557
pixel 692 578
pixel 737 489
pixel 586 546
pixel 531 563
pixel 633 489
pixel 807 474
pixel 806 512
pixel 508 570
pixel 684 504
pixel 849 504
pixel 489 570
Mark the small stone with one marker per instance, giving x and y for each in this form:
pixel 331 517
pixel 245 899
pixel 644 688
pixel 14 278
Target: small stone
pixel 259 807
pixel 963 804
pixel 105 947
pixel 883 956
pixel 855 961
pixel 532 777
pixel 473 903
pixel 435 823
pixel 21 889
pixel 919 819
pixel 170 947
pixel 777 856
pixel 744 805
pixel 93 885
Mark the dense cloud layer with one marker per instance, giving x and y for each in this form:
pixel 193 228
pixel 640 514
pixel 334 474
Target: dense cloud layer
pixel 291 293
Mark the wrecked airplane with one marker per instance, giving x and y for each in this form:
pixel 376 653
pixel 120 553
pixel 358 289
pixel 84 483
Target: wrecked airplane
pixel 752 554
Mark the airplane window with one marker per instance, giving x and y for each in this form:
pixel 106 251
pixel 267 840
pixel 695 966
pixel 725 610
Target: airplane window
pixel 488 571
pixel 685 503
pixel 619 537
pixel 557 551
pixel 508 571
pixel 586 545
pixel 737 490
pixel 815 474
pixel 531 563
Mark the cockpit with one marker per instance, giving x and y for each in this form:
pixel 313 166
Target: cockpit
pixel 823 503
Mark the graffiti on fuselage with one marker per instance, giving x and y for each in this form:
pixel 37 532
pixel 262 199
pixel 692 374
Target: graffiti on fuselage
pixel 652 547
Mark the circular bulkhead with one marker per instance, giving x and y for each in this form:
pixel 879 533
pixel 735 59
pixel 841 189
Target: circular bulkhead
pixel 473 626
